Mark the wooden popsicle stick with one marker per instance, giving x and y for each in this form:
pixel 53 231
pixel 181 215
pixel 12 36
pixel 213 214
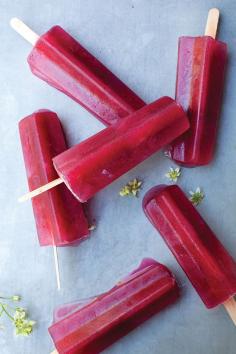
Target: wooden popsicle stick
pixel 212 23
pixel 230 306
pixel 54 352
pixel 24 30
pixel 57 267
pixel 40 190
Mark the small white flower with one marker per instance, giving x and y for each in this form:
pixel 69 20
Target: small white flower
pixel 20 314
pixel 173 174
pixel 132 188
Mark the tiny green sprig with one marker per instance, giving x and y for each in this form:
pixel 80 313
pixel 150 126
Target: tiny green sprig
pixel 15 298
pixel 23 326
pixel 173 174
pixel 132 188
pixel 17 315
pixel 197 196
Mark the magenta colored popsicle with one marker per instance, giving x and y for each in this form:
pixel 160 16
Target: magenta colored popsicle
pixel 199 89
pixel 207 264
pixel 108 317
pixel 63 63
pixel 59 217
pixel 96 162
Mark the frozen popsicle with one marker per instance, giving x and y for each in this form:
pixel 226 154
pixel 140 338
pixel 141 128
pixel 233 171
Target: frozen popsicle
pixel 199 89
pixel 101 321
pixel 59 217
pixel 207 264
pixel 63 63
pixel 96 162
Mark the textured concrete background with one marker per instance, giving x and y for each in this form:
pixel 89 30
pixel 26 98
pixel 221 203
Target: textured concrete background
pixel 137 40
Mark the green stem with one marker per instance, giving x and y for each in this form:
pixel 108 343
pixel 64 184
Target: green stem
pixel 7 313
pixel 10 307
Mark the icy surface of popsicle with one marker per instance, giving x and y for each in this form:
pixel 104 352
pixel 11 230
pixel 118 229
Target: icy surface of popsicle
pixel 209 267
pixel 199 89
pixel 96 162
pixel 59 217
pixel 108 317
pixel 63 63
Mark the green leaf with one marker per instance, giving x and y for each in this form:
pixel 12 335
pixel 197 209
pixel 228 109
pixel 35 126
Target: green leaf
pixel 196 197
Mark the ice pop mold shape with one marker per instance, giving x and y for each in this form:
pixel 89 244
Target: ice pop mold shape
pixel 65 64
pixel 59 217
pixel 199 89
pixel 100 321
pixel 207 264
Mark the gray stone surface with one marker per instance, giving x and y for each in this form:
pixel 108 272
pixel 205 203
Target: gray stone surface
pixel 137 40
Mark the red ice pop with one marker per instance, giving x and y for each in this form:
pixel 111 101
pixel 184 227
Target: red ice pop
pixel 93 164
pixel 207 264
pixel 199 89
pixel 101 321
pixel 59 217
pixel 96 162
pixel 63 63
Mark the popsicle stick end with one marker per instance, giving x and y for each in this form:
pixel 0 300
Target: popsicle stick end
pixel 57 268
pixel 212 22
pixel 23 30
pixel 40 190
pixel 230 306
pixel 14 22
